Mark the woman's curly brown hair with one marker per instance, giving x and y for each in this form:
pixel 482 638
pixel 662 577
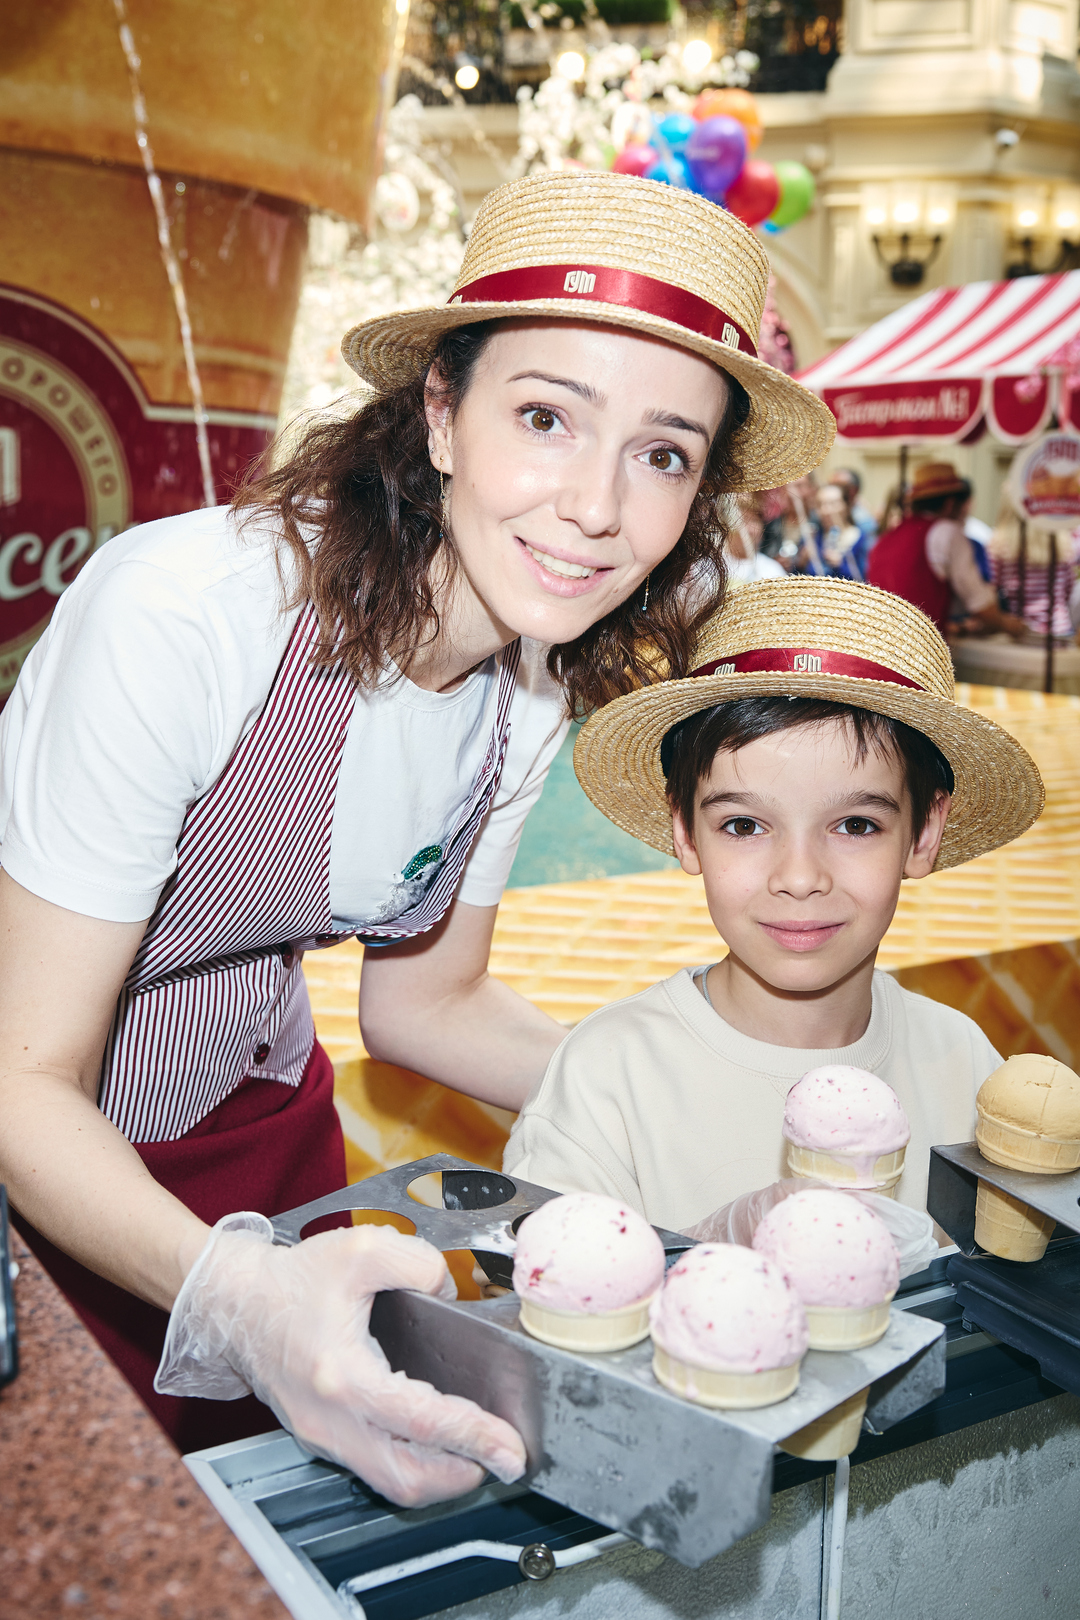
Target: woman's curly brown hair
pixel 367 487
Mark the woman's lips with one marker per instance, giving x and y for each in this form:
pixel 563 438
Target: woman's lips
pixel 801 936
pixel 561 584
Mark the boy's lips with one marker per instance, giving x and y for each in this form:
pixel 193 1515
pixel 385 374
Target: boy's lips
pixel 802 936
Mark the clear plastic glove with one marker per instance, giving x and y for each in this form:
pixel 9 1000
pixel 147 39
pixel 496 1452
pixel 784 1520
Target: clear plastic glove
pixel 291 1326
pixel 912 1230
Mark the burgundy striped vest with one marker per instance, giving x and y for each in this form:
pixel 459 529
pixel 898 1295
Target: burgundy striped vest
pixel 216 991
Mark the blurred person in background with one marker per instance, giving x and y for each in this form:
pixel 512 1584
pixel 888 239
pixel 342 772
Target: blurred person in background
pixel 928 559
pixel 789 523
pixel 841 545
pixel 847 479
pixel 743 556
pixel 1021 575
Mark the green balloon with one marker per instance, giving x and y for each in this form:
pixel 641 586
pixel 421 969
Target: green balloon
pixel 796 193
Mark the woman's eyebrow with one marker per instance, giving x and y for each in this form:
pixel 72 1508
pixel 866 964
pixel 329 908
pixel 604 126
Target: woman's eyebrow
pixel 583 390
pixel 668 419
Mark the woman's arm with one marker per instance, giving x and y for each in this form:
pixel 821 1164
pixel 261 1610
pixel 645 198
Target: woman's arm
pixel 68 1170
pixel 431 1005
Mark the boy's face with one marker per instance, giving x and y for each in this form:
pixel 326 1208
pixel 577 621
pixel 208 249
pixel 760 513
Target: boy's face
pixel 802 848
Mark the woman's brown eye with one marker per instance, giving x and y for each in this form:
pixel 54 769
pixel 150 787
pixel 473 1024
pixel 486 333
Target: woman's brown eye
pixel 542 421
pixel 660 459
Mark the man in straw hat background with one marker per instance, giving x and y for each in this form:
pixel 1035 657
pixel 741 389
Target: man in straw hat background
pixel 928 559
pixel 812 760
pixel 501 533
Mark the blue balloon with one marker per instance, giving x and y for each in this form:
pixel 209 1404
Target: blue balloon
pixel 773 230
pixel 672 171
pixel 676 129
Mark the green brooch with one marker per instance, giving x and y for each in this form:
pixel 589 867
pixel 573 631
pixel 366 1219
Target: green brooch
pixel 422 859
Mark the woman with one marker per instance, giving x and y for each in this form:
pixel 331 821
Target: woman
pixel 326 714
pixel 841 545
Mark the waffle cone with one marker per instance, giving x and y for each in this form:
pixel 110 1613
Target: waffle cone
pixel 845 1170
pixel 847 1327
pixel 1006 1227
pixel 577 1330
pixel 1018 1149
pixel 831 1436
pixel 732 1390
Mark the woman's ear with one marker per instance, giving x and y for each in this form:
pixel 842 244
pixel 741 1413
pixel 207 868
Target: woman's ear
pixel 437 413
pixel 924 851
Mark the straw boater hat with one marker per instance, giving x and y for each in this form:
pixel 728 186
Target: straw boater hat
pixel 635 253
pixel 815 638
pixel 935 478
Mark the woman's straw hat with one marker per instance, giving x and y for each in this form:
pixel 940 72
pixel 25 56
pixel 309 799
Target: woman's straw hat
pixel 590 246
pixel 816 638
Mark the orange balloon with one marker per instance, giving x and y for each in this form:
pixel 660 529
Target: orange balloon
pixel 738 104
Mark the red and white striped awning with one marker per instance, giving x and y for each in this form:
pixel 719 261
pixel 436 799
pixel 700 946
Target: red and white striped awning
pixel 997 354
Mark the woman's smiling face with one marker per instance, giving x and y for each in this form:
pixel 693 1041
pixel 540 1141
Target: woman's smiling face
pixel 574 459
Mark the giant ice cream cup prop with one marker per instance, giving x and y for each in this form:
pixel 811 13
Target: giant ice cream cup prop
pixel 586 1269
pixel 254 112
pixel 1028 1119
pixel 728 1329
pixel 841 1260
pixel 846 1127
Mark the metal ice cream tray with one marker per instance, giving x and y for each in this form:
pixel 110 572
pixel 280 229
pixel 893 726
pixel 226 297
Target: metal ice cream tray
pixel 955 1173
pixel 602 1435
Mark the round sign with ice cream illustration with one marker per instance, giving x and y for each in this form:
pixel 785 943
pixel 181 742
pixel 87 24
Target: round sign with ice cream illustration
pixel 1044 481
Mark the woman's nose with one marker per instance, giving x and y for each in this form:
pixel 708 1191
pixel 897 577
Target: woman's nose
pixel 591 494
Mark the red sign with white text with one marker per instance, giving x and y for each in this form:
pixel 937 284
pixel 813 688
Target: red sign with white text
pixel 83 455
pixel 916 412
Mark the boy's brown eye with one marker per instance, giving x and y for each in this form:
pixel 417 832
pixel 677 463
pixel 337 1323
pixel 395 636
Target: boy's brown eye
pixel 743 826
pixel 858 825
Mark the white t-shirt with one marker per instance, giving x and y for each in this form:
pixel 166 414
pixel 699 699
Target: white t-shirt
pixel 658 1101
pixel 158 661
pixel 949 553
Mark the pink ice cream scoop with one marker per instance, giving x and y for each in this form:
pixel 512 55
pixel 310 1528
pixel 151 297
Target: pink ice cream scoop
pixel 585 1252
pixel 832 1248
pixel 728 1309
pixel 840 1110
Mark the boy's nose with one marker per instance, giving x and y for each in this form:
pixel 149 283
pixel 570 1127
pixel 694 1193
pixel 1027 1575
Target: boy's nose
pixel 799 871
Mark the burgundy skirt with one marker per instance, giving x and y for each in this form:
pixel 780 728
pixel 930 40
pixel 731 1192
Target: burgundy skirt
pixel 267 1147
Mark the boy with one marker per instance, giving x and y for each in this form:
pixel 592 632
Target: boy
pixel 813 759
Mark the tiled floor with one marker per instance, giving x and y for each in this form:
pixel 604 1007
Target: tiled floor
pixel 571 947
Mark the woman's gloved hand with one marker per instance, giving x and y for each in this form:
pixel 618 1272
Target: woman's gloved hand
pixel 912 1230
pixel 291 1326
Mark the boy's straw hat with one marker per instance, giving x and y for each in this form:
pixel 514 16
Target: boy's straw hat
pixel 816 638
pixel 590 246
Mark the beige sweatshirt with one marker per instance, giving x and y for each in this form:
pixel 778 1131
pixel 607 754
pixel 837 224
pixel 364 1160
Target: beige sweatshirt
pixel 658 1101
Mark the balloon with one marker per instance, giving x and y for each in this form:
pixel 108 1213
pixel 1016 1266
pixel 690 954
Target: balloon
pixel 635 159
pixel 676 129
pixel 796 193
pixel 755 193
pixel 738 104
pixel 715 153
pixel 671 171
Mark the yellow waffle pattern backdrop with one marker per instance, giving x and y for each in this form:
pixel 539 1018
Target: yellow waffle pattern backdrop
pixel 997 938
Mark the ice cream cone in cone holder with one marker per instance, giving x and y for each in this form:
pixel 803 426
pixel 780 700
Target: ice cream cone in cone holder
pixel 1028 1119
pixel 833 1435
pixel 847 1327
pixel 731 1391
pixel 1008 1228
pixel 597 1332
pixel 848 1170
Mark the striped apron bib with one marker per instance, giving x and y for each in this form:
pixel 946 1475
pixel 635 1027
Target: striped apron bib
pixel 216 992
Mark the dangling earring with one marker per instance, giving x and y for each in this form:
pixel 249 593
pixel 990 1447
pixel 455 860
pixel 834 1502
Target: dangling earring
pixel 442 506
pixel 645 604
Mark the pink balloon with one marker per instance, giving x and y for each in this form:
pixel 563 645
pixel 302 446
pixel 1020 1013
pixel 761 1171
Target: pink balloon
pixel 634 159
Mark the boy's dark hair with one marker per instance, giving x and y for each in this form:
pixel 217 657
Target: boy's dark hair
pixel 688 750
